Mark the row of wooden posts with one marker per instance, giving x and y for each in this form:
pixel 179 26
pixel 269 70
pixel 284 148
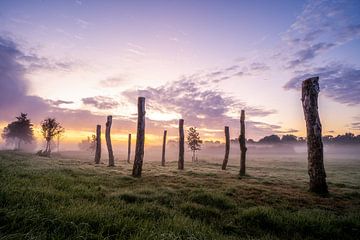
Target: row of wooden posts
pixel 316 170
pixel 140 140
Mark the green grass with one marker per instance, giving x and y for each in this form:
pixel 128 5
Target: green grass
pixel 57 198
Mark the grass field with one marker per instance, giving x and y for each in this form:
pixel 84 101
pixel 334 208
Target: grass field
pixel 65 198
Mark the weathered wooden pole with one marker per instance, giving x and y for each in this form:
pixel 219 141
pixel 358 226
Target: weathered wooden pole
pixel 163 149
pixel 129 148
pixel 181 144
pixel 316 170
pixel 108 141
pixel 140 139
pixel 242 142
pixel 98 144
pixel 227 148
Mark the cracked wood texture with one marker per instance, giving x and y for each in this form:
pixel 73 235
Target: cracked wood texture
pixel 316 170
pixel 181 144
pixel 242 141
pixel 108 141
pixel 163 149
pixel 140 139
pixel 98 144
pixel 227 148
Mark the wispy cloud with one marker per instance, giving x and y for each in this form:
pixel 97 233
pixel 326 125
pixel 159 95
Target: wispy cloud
pixel 338 81
pixel 100 102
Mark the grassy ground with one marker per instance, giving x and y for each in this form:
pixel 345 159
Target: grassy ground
pixel 59 198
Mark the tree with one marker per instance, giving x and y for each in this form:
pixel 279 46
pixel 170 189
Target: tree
pixel 88 144
pixel 19 131
pixel 272 139
pixel 194 142
pixel 289 138
pixel 50 128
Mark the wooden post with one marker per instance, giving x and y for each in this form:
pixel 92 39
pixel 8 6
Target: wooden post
pixel 181 144
pixel 140 139
pixel 163 149
pixel 129 148
pixel 316 170
pixel 108 141
pixel 98 144
pixel 242 142
pixel 227 148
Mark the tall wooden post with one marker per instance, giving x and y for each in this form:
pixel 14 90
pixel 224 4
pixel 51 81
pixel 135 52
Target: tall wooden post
pixel 242 141
pixel 98 144
pixel 316 170
pixel 181 144
pixel 140 139
pixel 129 148
pixel 108 141
pixel 227 148
pixel 163 149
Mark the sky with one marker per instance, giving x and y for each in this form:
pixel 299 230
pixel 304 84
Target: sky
pixel 204 61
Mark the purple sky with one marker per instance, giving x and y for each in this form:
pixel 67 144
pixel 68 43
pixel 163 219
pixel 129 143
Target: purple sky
pixel 203 61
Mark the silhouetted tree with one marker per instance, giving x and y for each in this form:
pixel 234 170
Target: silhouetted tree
pixel 88 144
pixel 194 142
pixel 289 139
pixel 50 128
pixel 19 131
pixel 272 139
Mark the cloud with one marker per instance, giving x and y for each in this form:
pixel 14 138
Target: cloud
pixel 58 102
pixel 339 82
pixel 199 105
pixel 291 130
pixel 112 82
pixel 101 102
pixel 335 21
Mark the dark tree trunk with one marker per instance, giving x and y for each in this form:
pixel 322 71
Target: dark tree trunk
pixel 316 170
pixel 108 141
pixel 98 144
pixel 181 144
pixel 163 149
pixel 242 141
pixel 129 148
pixel 227 148
pixel 140 139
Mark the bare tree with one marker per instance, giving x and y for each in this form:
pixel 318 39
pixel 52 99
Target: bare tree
pixel 108 141
pixel 140 139
pixel 98 144
pixel 163 149
pixel 194 142
pixel 129 148
pixel 88 144
pixel 227 148
pixel 316 169
pixel 242 141
pixel 181 145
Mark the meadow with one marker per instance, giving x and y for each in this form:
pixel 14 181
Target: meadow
pixel 71 198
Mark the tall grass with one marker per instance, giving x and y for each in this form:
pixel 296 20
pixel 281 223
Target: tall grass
pixel 69 199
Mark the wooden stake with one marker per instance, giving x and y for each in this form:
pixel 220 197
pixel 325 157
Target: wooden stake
pixel 242 141
pixel 108 141
pixel 129 148
pixel 98 144
pixel 227 148
pixel 163 149
pixel 316 169
pixel 140 139
pixel 181 144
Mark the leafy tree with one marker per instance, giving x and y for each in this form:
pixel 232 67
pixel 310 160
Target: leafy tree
pixel 88 144
pixel 272 139
pixel 289 139
pixel 19 131
pixel 194 142
pixel 49 129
